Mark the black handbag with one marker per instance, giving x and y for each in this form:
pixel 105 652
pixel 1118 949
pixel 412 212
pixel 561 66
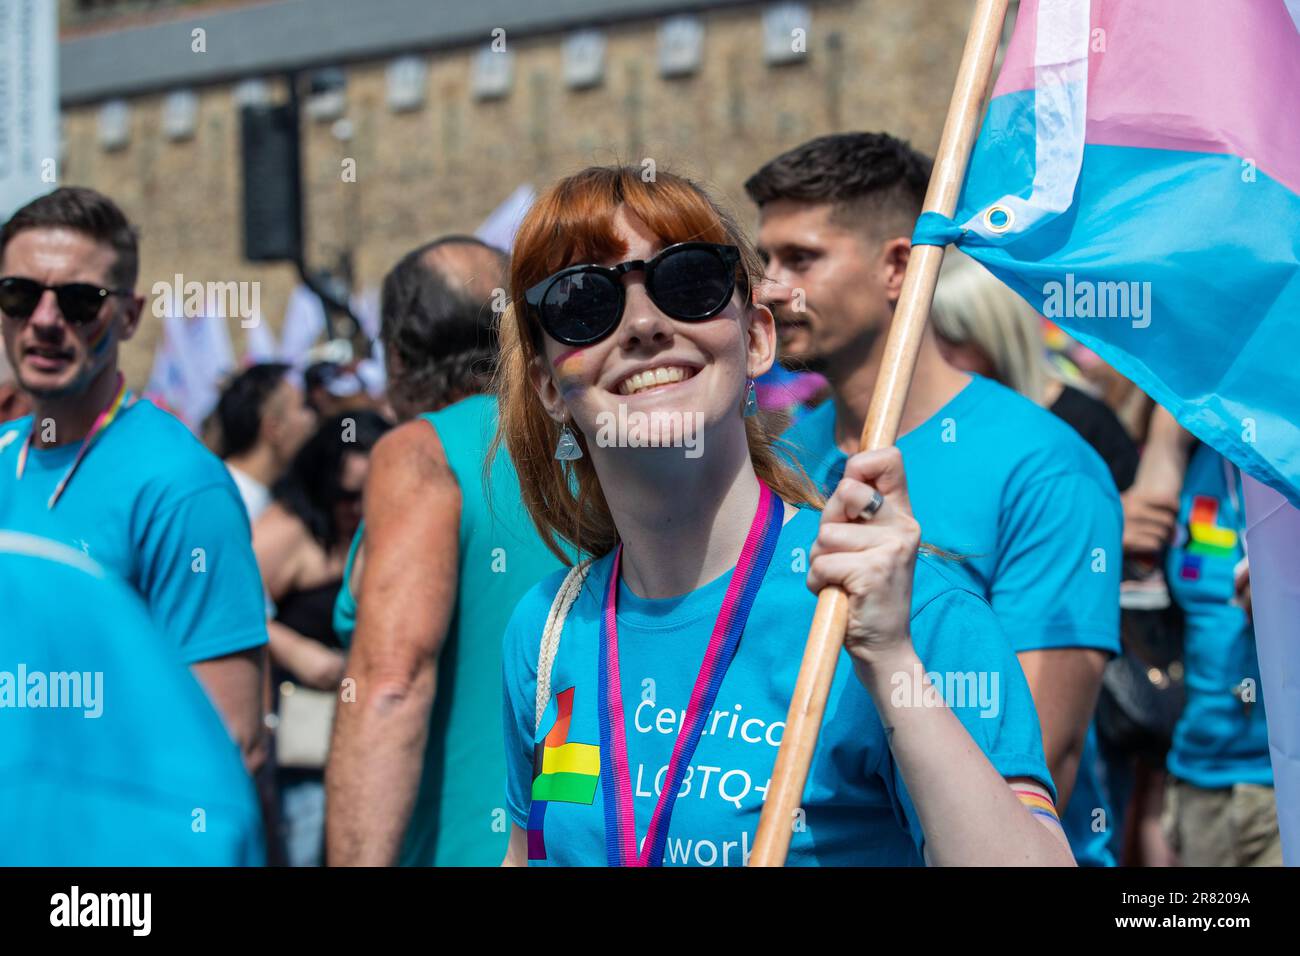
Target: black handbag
pixel 1142 689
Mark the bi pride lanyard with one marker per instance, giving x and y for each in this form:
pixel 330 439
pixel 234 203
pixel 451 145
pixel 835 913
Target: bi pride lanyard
pixel 121 401
pixel 615 777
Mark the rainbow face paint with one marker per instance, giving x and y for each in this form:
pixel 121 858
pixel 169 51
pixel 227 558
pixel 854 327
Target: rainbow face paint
pixel 99 342
pixel 568 368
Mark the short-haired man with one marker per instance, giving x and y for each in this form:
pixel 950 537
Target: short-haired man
pixel 263 420
pixel 1030 509
pixel 118 479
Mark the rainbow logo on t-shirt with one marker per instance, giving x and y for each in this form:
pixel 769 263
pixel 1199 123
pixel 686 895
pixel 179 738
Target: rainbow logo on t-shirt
pixel 563 772
pixel 1205 538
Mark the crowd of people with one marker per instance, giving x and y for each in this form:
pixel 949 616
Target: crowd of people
pixel 463 626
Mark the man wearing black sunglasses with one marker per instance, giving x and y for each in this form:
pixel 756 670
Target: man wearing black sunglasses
pixel 119 479
pixel 1027 504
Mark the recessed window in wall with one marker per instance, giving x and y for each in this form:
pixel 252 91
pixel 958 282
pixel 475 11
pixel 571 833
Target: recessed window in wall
pixel 493 71
pixel 327 94
pixel 584 59
pixel 406 80
pixel 253 92
pixel 681 46
pixel 114 124
pixel 180 112
pixel 786 27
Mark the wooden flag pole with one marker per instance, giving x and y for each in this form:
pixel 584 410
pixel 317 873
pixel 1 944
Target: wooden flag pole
pixel 826 637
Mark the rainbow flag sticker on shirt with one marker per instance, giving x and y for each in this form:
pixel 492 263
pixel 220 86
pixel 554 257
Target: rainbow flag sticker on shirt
pixel 1205 538
pixel 563 772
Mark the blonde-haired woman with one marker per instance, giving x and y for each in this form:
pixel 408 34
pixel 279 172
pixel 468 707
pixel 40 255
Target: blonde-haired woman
pixel 645 699
pixel 984 327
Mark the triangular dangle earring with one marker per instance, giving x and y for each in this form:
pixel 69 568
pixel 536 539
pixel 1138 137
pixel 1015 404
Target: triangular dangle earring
pixel 567 448
pixel 751 401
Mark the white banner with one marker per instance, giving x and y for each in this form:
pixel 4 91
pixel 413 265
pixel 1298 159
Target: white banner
pixel 304 321
pixel 29 101
pixel 1273 543
pixel 502 223
pixel 190 364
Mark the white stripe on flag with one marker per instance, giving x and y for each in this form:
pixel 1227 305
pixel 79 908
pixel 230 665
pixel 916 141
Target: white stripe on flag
pixel 1063 30
pixel 1273 533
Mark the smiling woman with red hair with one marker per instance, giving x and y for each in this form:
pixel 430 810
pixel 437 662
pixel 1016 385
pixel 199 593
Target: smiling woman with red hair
pixel 662 666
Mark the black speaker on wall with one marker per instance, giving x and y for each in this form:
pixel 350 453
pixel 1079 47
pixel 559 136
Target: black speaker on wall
pixel 272 183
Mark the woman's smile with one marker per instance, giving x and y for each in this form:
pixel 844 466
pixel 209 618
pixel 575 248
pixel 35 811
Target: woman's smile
pixel 654 378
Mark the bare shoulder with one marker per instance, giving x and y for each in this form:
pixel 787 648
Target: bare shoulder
pixel 283 547
pixel 413 449
pixel 408 468
pixel 279 526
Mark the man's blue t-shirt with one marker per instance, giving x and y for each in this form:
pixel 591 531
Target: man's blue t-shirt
pixel 110 752
pixel 1034 514
pixel 1221 738
pixel 152 505
pixel 856 808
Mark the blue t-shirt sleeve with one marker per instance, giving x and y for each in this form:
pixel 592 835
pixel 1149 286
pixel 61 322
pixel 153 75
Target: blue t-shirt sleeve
pixel 152 750
pixel 522 641
pixel 199 576
pixel 959 641
pixel 1057 578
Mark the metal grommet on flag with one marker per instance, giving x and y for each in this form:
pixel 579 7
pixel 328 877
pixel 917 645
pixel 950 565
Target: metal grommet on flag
pixel 999 219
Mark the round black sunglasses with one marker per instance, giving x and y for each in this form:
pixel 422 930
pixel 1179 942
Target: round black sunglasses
pixel 689 281
pixel 78 301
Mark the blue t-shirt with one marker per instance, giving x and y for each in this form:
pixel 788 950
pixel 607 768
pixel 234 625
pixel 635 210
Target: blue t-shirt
pixel 110 752
pixel 856 809
pixel 1034 514
pixel 1221 738
pixel 153 506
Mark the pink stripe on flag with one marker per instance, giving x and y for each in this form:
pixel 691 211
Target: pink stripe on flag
pixel 1196 75
pixel 1199 75
pixel 1017 72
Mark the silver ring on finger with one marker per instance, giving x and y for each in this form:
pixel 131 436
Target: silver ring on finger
pixel 869 510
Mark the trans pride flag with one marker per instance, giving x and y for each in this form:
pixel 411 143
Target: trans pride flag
pixel 1137 180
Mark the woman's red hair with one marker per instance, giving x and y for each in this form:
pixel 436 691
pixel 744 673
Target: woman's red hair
pixel 573 222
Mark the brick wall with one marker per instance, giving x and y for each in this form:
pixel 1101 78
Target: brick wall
pixel 871 64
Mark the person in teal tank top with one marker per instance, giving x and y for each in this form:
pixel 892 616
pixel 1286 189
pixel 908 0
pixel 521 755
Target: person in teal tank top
pixel 416 768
